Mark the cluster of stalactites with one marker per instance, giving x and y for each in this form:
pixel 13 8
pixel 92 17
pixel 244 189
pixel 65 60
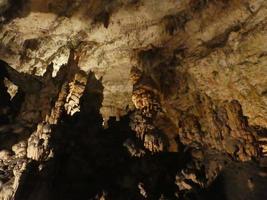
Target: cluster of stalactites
pixel 147 107
pixel 44 101
pixel 223 128
pixel 76 90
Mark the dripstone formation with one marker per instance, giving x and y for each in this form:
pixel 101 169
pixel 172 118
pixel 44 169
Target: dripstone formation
pixel 133 99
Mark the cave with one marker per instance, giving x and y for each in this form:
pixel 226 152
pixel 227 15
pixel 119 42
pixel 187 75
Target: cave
pixel 133 100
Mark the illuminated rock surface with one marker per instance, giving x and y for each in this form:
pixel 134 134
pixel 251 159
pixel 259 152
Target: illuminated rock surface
pixel 133 99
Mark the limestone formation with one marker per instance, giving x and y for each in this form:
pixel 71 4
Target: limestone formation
pixel 133 99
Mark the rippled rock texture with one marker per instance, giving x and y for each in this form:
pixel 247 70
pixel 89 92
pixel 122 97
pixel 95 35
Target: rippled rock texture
pixel 133 99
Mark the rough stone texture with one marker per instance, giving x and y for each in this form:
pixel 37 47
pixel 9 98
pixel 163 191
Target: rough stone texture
pixel 49 29
pixel 190 75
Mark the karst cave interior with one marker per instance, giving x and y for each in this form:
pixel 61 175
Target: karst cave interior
pixel 133 99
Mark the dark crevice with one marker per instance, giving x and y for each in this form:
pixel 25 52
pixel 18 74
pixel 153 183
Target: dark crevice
pixel 15 8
